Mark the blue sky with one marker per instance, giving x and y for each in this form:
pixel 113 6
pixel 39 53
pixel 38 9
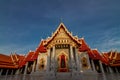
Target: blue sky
pixel 23 23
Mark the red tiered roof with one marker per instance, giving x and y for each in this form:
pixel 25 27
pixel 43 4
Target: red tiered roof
pixel 11 61
pixel 22 61
pixel 15 60
pixel 6 62
pixel 118 56
pixel 112 58
pixel 105 59
pixel 97 54
pixel 91 55
pixel 94 54
pixel 5 58
pixel 35 56
pixel 29 56
pixel 84 46
pixel 42 48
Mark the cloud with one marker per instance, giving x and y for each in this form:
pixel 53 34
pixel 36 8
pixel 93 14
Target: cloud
pixel 109 40
pixel 11 48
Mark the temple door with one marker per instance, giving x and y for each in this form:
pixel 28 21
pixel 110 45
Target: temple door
pixel 63 63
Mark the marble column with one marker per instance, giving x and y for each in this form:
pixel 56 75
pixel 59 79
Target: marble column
pixel 53 58
pixel 72 58
pixel 101 67
pixel 77 60
pixel 110 70
pixel 1 71
pixel 116 70
pixel 7 72
pixel 53 54
pixel 48 61
pixel 33 67
pixel 71 52
pixel 26 66
pixel 17 71
pixel 37 65
pixel 93 65
pixel 11 72
pixel 88 61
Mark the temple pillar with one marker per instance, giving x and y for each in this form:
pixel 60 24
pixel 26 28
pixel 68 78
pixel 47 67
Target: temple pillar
pixel 1 71
pixel 116 70
pixel 53 59
pixel 26 66
pixel 110 70
pixel 80 64
pixel 88 61
pixel 101 67
pixel 48 61
pixel 77 60
pixel 71 56
pixel 7 72
pixel 93 65
pixel 37 65
pixel 53 56
pixel 17 71
pixel 71 53
pixel 33 67
pixel 12 72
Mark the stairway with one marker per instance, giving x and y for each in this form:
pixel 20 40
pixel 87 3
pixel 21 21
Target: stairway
pixel 63 76
pixel 37 75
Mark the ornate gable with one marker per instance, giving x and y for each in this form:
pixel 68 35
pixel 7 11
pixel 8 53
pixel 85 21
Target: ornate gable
pixel 62 36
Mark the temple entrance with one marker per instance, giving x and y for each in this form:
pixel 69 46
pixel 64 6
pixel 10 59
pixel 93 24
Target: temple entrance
pixel 63 63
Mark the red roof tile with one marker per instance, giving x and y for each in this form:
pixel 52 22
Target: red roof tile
pixel 84 46
pixel 105 60
pixel 97 54
pixel 35 56
pixel 41 48
pixel 29 56
pixel 5 58
pixel 7 62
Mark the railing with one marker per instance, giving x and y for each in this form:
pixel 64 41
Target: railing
pixel 82 77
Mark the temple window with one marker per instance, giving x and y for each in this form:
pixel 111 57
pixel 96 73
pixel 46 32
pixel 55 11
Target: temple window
pixel 42 62
pixel 84 62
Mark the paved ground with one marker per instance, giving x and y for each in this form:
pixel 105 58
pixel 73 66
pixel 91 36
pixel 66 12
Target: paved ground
pixel 82 77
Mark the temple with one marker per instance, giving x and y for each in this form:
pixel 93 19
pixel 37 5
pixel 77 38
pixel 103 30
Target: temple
pixel 61 53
